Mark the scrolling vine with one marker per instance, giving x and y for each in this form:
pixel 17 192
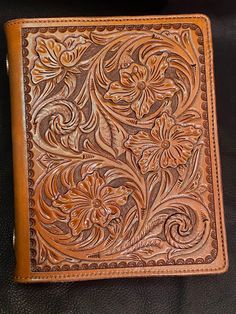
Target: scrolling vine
pixel 118 139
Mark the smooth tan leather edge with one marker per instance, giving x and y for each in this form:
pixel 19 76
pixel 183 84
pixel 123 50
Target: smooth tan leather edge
pixel 19 149
pixel 23 273
pixel 216 166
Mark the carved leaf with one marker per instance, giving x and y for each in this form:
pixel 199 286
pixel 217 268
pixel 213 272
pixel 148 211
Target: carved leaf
pixel 56 228
pixel 51 138
pixel 154 225
pixel 72 140
pixel 70 84
pixel 109 136
pixel 89 167
pixel 36 91
pixel 114 174
pixel 50 161
pixel 42 253
pixel 189 116
pixel 130 219
pixel 101 39
pixel 146 249
pixel 189 176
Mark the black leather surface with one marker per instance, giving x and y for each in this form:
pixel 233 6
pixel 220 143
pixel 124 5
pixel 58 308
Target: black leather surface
pixel 203 294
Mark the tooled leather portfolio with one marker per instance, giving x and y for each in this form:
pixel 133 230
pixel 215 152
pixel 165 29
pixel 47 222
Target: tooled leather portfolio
pixel 116 157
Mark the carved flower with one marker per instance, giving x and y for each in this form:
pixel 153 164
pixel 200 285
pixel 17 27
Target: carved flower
pixel 92 202
pixel 56 59
pixel 142 85
pixel 169 145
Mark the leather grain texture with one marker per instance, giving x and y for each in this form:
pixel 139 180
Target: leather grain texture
pixel 115 148
pixel 201 294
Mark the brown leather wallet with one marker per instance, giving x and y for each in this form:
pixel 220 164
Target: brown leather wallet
pixel 116 159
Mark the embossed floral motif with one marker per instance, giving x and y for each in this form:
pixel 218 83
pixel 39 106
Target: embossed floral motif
pixel 169 145
pixel 58 59
pixel 92 202
pixel 75 129
pixel 143 85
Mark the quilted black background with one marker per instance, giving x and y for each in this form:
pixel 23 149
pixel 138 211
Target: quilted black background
pixel 202 294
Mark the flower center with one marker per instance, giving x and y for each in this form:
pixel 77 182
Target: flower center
pixel 141 85
pixel 97 203
pixel 165 144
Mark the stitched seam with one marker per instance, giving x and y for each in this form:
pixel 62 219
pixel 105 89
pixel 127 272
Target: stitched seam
pixel 152 270
pixel 98 273
pixel 214 146
pixel 81 19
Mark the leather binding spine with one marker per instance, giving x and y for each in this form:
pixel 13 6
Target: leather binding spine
pixel 128 236
pixel 19 148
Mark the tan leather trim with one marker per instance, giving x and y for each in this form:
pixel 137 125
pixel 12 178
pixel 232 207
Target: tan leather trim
pixel 216 166
pixel 19 150
pixel 126 20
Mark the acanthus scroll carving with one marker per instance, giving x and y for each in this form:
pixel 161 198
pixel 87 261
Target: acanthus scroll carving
pixel 119 142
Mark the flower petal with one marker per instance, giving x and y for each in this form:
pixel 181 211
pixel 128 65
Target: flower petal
pixel 91 185
pixel 40 72
pixel 72 41
pixel 182 140
pixel 132 74
pixel 49 51
pixel 143 104
pixel 139 142
pixel 162 127
pixel 118 92
pixel 117 196
pixel 163 89
pixel 145 147
pixel 81 196
pixel 161 86
pixel 80 221
pixel 157 65
pixel 150 159
pixel 70 58
pixel 188 133
pixel 72 199
pixel 174 156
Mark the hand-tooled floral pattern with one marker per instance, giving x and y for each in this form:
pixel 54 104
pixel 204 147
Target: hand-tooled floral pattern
pixel 57 59
pixel 143 85
pixel 119 110
pixel 169 145
pixel 92 202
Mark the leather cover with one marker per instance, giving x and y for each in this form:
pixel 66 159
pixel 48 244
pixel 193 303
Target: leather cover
pixel 116 160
